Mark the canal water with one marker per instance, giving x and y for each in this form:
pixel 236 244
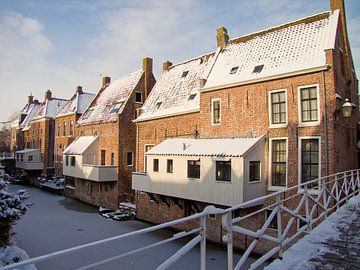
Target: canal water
pixel 54 222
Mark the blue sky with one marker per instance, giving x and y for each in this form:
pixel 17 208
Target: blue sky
pixel 60 44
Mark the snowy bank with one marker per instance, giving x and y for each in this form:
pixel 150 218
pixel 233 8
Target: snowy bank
pixel 12 254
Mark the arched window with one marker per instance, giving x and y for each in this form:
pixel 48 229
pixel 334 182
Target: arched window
pixel 71 126
pixel 64 128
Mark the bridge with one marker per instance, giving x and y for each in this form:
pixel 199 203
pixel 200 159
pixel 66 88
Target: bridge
pixel 299 212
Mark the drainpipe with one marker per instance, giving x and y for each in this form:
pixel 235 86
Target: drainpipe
pixel 326 127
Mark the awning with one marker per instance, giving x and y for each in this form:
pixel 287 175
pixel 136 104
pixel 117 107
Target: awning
pixel 214 147
pixel 79 146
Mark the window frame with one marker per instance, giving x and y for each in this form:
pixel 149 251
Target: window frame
pixel 66 160
pixel 71 126
pixel 192 177
pixel 155 168
pixel 72 161
pixel 213 100
pixel 141 97
pixel 145 158
pixel 127 159
pixel 308 123
pixel 270 109
pixel 271 186
pixel 258 181
pixel 167 166
pixel 216 171
pixel 300 160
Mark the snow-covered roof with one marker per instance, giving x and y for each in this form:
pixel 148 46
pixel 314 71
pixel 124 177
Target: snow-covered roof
pixel 79 145
pixel 117 92
pixel 177 90
pixel 77 104
pixel 292 47
pixel 50 108
pixel 30 115
pixel 25 151
pixel 218 147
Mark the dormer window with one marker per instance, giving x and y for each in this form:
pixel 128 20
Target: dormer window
pixel 158 105
pixel 258 68
pixel 184 74
pixel 87 113
pixel 234 70
pixel 191 97
pixel 116 107
pixel 138 97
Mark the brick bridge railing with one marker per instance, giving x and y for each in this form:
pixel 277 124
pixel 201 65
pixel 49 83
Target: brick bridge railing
pixel 285 217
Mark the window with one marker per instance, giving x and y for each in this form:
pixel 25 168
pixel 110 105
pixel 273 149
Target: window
pixel 138 97
pixel 64 129
pixel 155 165
pixel 258 69
pixel 21 158
pixel 116 107
pixel 87 114
pixel 277 107
pixel 71 126
pixel 89 191
pixel 309 104
pixel 30 158
pixel 273 224
pixel 102 157
pixel 310 160
pixel 184 74
pixel 194 169
pixel 146 149
pixel 223 171
pixel 72 161
pixel 191 97
pixel 67 160
pixel 278 162
pixel 234 70
pixel 129 159
pixel 112 159
pixel 58 130
pixel 215 111
pixel 254 171
pixel 17 157
pixel 158 105
pixel 169 166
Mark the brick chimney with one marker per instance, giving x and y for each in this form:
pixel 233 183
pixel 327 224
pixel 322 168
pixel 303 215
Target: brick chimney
pixel 30 99
pixel 166 65
pixel 147 65
pixel 48 95
pixel 79 90
pixel 105 81
pixel 222 37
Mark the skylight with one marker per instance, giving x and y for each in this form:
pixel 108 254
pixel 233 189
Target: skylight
pixel 258 68
pixel 158 105
pixel 234 70
pixel 87 113
pixel 116 107
pixel 192 96
pixel 184 74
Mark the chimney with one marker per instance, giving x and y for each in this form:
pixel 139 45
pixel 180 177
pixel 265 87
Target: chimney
pixel 30 99
pixel 48 95
pixel 202 82
pixel 79 89
pixel 105 81
pixel 149 81
pixel 222 37
pixel 36 101
pixel 166 65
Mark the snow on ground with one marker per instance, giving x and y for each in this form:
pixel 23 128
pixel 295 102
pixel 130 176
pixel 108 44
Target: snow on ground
pixel 12 254
pixel 306 253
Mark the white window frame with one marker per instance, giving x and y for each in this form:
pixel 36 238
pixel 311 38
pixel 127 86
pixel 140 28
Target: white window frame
pixel 313 123
pixel 282 125
pixel 145 162
pixel 142 98
pixel 260 175
pixel 300 164
pixel 132 159
pixel 212 112
pixel 271 187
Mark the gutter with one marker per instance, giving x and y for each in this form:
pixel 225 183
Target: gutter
pixel 165 116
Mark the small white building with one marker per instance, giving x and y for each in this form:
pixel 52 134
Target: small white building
pixel 29 159
pixel 81 161
pixel 222 171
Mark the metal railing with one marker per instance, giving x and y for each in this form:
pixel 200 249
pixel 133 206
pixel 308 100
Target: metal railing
pixel 308 206
pixel 269 230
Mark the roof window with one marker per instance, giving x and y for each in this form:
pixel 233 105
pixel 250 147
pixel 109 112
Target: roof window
pixel 87 114
pixel 116 107
pixel 258 68
pixel 192 96
pixel 234 70
pixel 158 105
pixel 184 74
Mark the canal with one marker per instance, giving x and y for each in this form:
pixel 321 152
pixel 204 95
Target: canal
pixel 54 222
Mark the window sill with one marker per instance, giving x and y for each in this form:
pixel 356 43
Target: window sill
pixel 310 190
pixel 193 179
pixel 132 165
pixel 222 182
pixel 275 188
pixel 309 124
pixel 216 124
pixel 254 182
pixel 278 126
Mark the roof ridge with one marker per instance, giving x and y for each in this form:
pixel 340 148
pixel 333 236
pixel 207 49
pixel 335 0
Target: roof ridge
pixel 192 59
pixel 307 19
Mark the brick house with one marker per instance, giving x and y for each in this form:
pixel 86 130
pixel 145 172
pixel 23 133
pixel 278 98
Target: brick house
pixel 267 116
pixel 100 161
pixel 65 124
pixel 39 138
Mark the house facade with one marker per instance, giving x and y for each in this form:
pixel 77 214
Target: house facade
pixel 65 124
pixel 100 161
pixel 284 87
